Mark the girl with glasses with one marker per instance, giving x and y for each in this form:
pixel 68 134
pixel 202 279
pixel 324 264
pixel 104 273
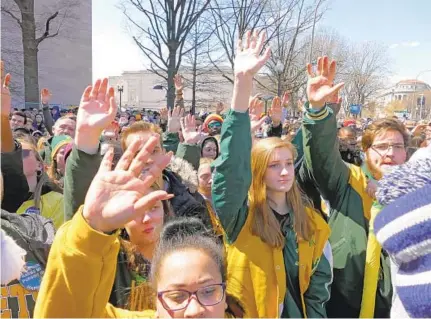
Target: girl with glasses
pixel 188 271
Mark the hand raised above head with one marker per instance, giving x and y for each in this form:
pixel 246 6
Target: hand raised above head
pixel 118 196
pixel 96 112
pixel 320 88
pixel 248 59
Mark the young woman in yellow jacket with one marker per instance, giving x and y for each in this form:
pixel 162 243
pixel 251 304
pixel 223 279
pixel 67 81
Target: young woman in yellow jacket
pixel 188 268
pixel 275 240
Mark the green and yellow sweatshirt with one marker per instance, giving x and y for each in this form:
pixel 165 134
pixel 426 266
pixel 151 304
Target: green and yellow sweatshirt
pixel 343 186
pixel 257 273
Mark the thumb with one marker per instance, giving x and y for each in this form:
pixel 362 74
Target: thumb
pixel 335 88
pixel 148 201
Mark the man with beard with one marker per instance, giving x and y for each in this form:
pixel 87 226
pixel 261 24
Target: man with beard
pixel 344 186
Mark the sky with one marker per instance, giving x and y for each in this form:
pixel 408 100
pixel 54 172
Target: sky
pixel 403 25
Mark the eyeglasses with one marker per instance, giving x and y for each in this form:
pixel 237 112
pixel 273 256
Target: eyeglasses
pixel 384 147
pixel 176 300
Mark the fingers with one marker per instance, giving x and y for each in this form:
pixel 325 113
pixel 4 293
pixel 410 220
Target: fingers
pixel 319 65
pixel 239 46
pixel 260 42
pixel 181 112
pixel 128 156
pixel 6 81
pixel 95 90
pixel 86 95
pixel 102 90
pixel 310 70
pixel 265 57
pixel 248 39
pixel 106 164
pixel 325 68
pixel 332 71
pixel 285 98
pixel 112 103
pixel 276 103
pixel 140 160
pixel 148 201
pixel 155 170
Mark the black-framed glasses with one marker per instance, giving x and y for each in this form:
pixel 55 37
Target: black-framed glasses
pixel 179 299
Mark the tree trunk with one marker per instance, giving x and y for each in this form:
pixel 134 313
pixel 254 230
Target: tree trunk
pixel 172 70
pixel 194 79
pixel 31 67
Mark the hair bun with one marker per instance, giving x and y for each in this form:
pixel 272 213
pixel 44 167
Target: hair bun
pixel 183 227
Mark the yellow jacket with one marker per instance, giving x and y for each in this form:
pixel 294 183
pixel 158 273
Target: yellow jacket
pixel 80 274
pixel 51 206
pixel 256 272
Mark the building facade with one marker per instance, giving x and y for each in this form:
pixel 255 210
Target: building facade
pixel 402 91
pixel 65 61
pixel 144 89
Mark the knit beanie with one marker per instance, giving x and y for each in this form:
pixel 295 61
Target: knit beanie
pixel 403 227
pixel 211 118
pixel 57 143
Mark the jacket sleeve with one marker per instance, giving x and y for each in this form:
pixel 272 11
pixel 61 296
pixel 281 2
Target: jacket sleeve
pixel 319 290
pixel 80 171
pixel 232 176
pixel 47 118
pixel 80 272
pixel 190 153
pixel 15 186
pixel 170 141
pixel 322 157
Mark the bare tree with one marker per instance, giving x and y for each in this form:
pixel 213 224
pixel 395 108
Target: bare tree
pixel 366 71
pixel 232 18
pixel 22 12
pixel 286 68
pixel 196 60
pixel 160 30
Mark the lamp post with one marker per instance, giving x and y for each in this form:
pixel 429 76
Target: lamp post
pixel 120 89
pixel 414 91
pixel 279 67
pixel 267 98
pixel 312 32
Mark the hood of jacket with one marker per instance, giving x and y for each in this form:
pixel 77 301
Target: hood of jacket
pixel 185 171
pixel 213 139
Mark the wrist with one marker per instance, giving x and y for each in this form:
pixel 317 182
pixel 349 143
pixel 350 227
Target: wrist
pixel 87 142
pixel 316 105
pixel 241 95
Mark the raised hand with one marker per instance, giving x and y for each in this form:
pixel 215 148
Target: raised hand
pixel 188 128
pixel 164 115
pixel 45 96
pixel 178 81
pixel 276 111
pixel 256 109
pixel 285 100
pixel 5 92
pixel 96 112
pixel 248 60
pixel 320 87
pixel 174 119
pixel 118 196
pixel 219 107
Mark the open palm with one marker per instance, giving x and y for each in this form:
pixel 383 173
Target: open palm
pixel 320 87
pixel 118 196
pixel 248 60
pixel 97 108
pixel 188 128
pixel 256 109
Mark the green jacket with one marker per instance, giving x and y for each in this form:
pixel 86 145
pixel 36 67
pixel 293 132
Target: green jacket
pixel 230 193
pixel 343 186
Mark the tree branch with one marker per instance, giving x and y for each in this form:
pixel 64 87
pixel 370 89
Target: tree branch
pixel 13 16
pixel 46 34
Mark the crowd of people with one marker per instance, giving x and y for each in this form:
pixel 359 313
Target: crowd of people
pixel 237 213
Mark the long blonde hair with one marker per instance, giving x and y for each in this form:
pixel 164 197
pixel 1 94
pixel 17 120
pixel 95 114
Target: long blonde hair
pixel 265 224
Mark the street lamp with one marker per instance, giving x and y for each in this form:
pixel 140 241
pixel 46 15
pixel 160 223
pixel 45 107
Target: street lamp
pixel 414 92
pixel 160 87
pixel 120 89
pixel 279 67
pixel 267 98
